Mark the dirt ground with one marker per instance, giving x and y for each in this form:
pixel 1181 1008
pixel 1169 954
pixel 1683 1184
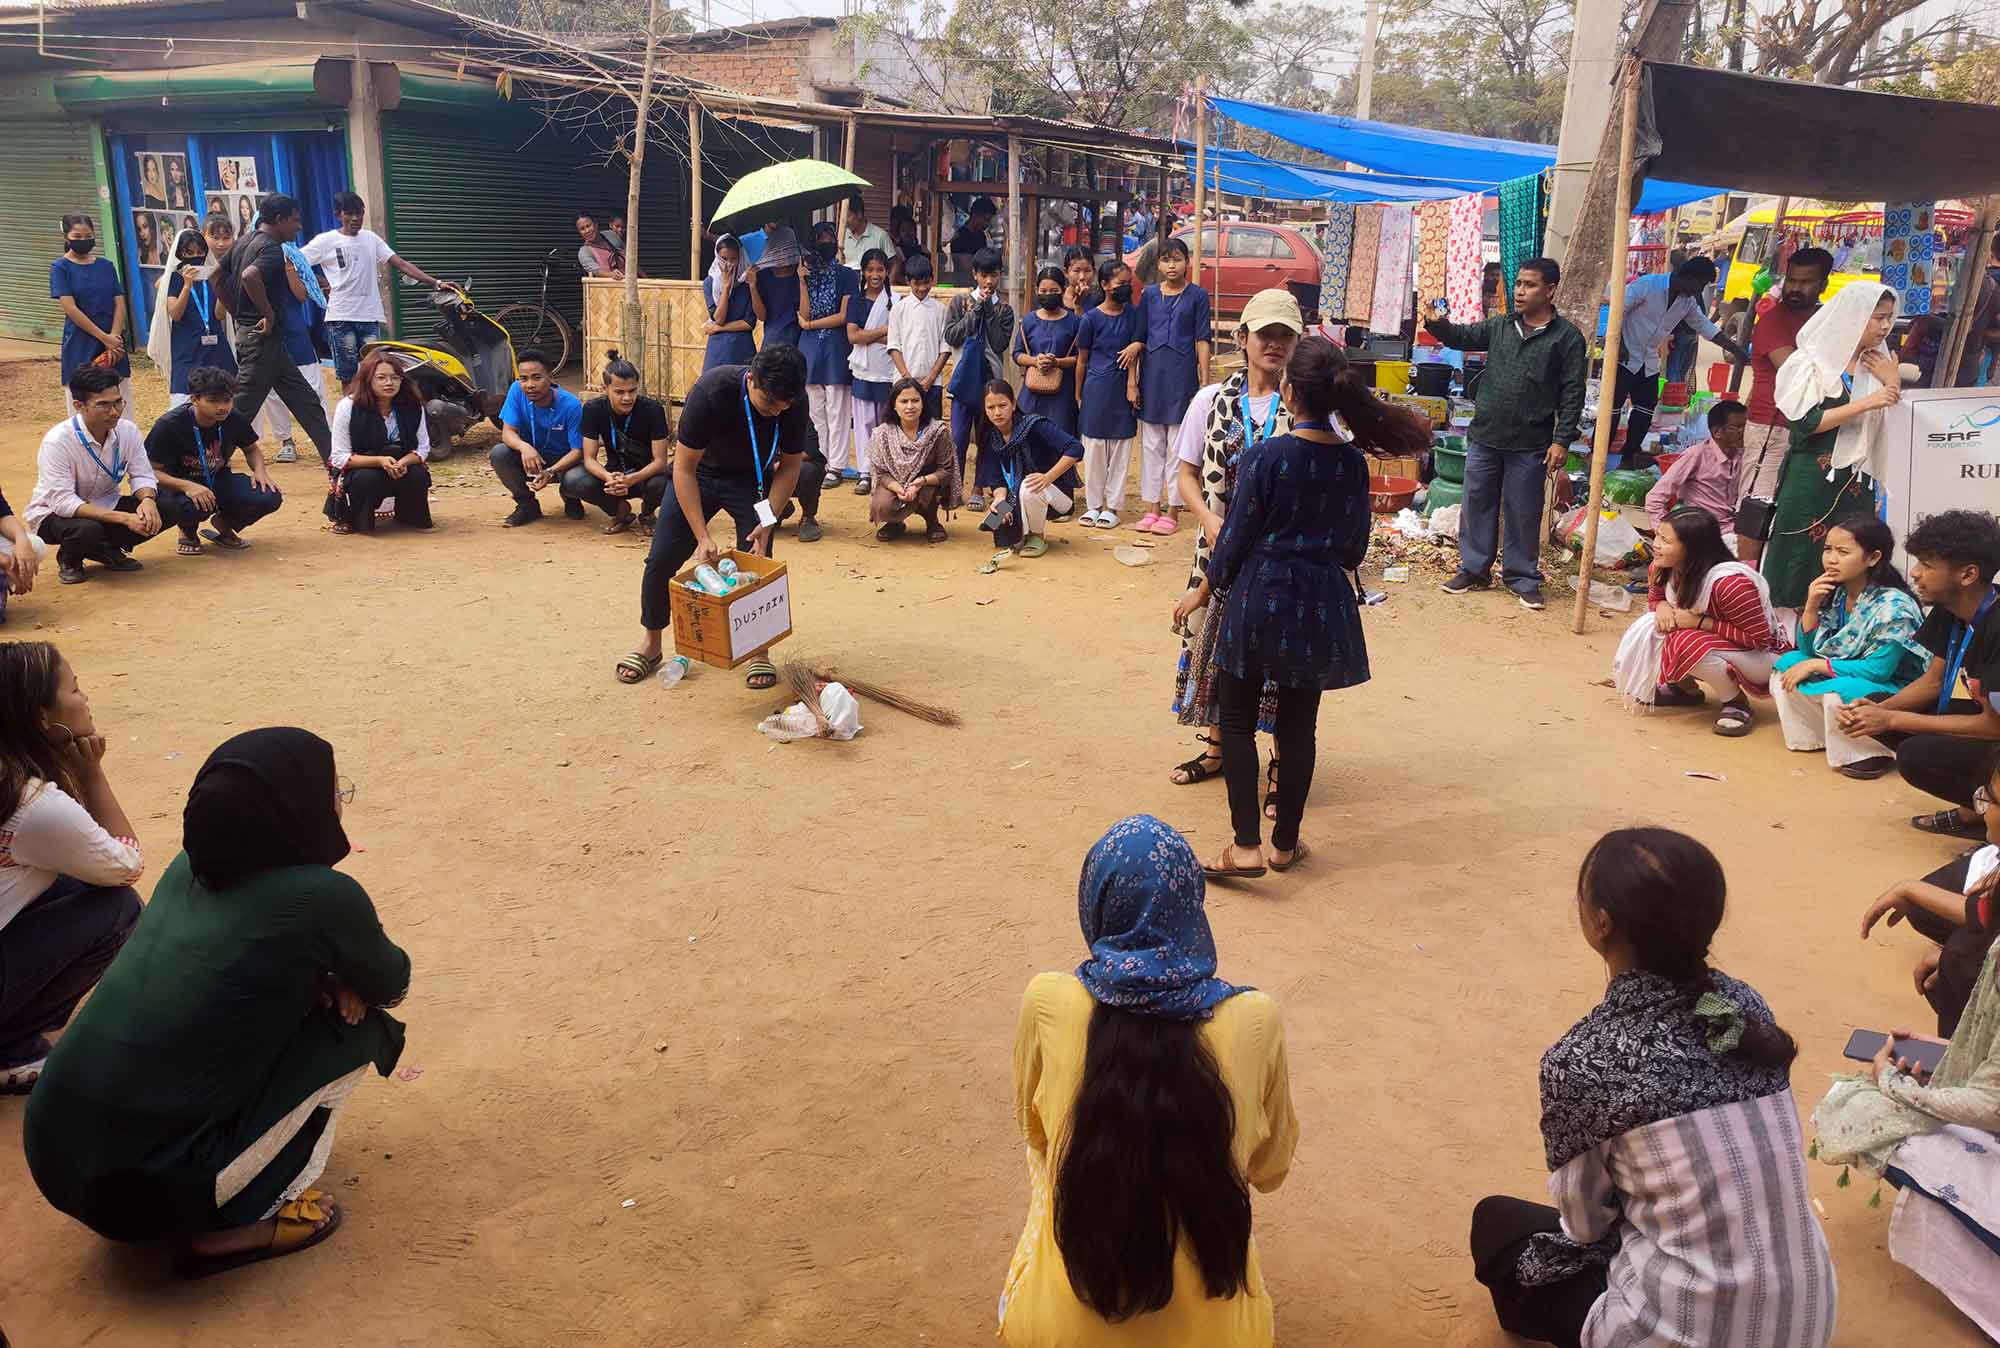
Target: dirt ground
pixel 716 1034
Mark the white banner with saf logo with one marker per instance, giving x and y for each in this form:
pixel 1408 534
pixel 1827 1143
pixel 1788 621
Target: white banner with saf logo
pixel 1940 451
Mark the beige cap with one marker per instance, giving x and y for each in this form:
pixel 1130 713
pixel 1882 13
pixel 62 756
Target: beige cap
pixel 1268 308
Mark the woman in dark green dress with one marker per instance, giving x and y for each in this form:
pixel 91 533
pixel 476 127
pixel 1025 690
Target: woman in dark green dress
pixel 1831 389
pixel 192 1099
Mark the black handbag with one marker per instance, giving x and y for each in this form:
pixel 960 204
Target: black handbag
pixel 1757 516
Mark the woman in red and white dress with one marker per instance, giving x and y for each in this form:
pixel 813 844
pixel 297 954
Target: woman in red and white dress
pixel 1709 626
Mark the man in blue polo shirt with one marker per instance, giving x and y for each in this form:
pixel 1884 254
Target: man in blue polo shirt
pixel 541 438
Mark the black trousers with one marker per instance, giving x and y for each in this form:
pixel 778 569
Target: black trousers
pixel 75 538
pixel 264 367
pixel 1551 1313
pixel 1950 767
pixel 1644 391
pixel 673 539
pixel 367 488
pixel 238 501
pixel 507 467
pixel 52 953
pixel 812 476
pixel 580 484
pixel 1296 737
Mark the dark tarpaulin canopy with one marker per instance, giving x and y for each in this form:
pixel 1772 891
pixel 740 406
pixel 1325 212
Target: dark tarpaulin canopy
pixel 1812 140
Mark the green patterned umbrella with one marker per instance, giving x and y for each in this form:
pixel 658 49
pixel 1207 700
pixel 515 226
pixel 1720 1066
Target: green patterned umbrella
pixel 782 191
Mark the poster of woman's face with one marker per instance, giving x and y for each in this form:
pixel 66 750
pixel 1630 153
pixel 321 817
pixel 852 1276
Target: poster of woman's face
pixel 146 237
pixel 152 183
pixel 245 213
pixel 217 203
pixel 180 194
pixel 236 174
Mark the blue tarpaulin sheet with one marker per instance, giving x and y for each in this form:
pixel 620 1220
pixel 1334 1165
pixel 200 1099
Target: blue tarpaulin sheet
pixel 1438 158
pixel 1253 175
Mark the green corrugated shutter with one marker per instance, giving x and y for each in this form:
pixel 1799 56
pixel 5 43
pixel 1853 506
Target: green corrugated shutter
pixel 48 171
pixel 484 200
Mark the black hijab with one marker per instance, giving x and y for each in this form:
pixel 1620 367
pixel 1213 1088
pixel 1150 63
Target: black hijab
pixel 264 799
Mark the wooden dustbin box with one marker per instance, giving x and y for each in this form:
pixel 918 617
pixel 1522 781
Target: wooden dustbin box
pixel 726 630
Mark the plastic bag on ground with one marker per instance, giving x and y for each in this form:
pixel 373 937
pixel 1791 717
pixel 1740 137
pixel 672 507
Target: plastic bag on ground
pixel 796 722
pixel 1444 521
pixel 1616 538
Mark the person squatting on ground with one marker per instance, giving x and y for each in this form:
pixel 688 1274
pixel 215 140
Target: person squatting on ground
pixel 1027 460
pixel 190 449
pixel 627 451
pixel 381 451
pixel 78 505
pixel 915 471
pixel 541 438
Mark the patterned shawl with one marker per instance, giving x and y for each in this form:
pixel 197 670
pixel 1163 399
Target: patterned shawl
pixel 1886 616
pixel 1524 210
pixel 895 457
pixel 1335 255
pixel 1392 271
pixel 1222 446
pixel 1433 224
pixel 1139 902
pixel 1361 270
pixel 822 286
pixel 1465 259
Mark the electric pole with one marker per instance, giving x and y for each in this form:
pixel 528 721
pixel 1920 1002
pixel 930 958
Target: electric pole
pixel 1364 80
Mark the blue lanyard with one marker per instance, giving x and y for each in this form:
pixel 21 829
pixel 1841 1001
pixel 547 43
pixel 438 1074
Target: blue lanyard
pixel 624 432
pixel 534 431
pixel 201 451
pixel 1321 425
pixel 198 292
pixel 750 422
pixel 1956 650
pixel 1251 434
pixel 116 469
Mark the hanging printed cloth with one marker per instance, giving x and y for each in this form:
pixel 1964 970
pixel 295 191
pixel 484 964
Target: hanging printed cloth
pixel 1334 256
pixel 1361 272
pixel 1392 271
pixel 1433 238
pixel 1524 210
pixel 1465 258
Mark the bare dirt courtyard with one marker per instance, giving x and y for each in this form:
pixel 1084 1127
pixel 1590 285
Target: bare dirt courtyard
pixel 716 1033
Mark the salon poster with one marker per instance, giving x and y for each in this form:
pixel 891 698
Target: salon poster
pixel 1909 249
pixel 236 174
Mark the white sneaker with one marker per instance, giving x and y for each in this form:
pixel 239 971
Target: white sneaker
pixel 287 453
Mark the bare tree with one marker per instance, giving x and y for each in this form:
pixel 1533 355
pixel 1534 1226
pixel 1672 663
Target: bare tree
pixel 1833 42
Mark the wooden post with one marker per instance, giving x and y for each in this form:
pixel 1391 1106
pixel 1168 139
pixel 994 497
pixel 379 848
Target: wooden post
pixel 1621 237
pixel 840 215
pixel 634 324
pixel 1201 177
pixel 1015 249
pixel 695 222
pixel 1965 294
pixel 1215 295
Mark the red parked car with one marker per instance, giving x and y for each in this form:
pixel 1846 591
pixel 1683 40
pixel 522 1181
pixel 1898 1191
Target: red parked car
pixel 1254 257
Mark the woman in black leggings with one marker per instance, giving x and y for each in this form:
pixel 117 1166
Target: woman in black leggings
pixel 1297 525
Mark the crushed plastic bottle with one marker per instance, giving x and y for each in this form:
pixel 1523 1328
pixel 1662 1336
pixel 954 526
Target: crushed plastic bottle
pixel 727 566
pixel 709 580
pixel 674 670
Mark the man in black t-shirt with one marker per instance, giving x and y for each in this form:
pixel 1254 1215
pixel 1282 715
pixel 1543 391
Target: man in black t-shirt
pixel 627 456
pixel 1944 744
pixel 253 275
pixel 744 432
pixel 190 448
pixel 971 237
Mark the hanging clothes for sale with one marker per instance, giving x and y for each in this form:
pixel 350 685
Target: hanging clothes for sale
pixel 1334 255
pixel 1524 213
pixel 1465 258
pixel 1361 269
pixel 1433 236
pixel 1392 271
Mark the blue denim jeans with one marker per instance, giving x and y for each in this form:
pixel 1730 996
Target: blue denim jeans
pixel 346 339
pixel 238 500
pixel 1502 482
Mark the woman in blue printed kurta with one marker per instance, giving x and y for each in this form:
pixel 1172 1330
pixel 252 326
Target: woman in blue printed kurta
pixel 1298 523
pixel 1046 340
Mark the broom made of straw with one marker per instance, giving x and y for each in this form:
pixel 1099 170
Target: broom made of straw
pixel 804 681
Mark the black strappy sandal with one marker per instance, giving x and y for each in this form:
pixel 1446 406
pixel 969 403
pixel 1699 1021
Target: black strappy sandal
pixel 1947 824
pixel 1271 796
pixel 1198 768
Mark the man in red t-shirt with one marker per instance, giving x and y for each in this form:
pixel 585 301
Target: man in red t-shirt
pixel 1772 340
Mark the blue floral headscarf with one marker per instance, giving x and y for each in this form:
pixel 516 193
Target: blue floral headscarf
pixel 1140 905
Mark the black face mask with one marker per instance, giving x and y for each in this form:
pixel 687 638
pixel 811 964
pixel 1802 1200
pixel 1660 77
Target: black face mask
pixel 825 251
pixel 1121 294
pixel 1050 300
pixel 82 247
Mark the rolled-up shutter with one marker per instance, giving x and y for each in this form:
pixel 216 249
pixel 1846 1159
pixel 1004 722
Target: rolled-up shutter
pixel 49 171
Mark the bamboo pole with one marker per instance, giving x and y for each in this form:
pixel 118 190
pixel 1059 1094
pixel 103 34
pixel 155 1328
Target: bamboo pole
pixel 634 318
pixel 1621 237
pixel 1201 176
pixel 1015 250
pixel 1965 296
pixel 840 215
pixel 694 190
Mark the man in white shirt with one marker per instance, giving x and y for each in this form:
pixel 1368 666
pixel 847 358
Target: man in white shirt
pixel 916 334
pixel 352 257
pixel 77 504
pixel 1654 306
pixel 861 236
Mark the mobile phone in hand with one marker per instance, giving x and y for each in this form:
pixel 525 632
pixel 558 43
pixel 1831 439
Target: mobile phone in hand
pixel 1863 1045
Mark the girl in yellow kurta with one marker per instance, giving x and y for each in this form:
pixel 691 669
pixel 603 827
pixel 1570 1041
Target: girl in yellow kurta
pixel 1146 1015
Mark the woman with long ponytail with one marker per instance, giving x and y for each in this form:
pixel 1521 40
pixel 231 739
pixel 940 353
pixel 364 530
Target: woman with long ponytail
pixel 1682 1214
pixel 1297 524
pixel 1153 1095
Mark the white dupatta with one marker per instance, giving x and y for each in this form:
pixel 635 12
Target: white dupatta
pixel 1635 669
pixel 160 335
pixel 1812 373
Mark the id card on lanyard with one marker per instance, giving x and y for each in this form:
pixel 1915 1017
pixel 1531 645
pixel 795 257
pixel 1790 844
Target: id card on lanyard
pixel 199 294
pixel 201 452
pixel 115 470
pixel 765 515
pixel 1957 649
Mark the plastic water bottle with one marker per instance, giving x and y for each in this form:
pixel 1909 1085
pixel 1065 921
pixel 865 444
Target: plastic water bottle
pixel 727 566
pixel 710 579
pixel 674 670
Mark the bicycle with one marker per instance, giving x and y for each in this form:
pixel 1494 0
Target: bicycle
pixel 538 325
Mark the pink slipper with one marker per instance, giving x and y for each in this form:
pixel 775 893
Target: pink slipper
pixel 1146 525
pixel 1162 524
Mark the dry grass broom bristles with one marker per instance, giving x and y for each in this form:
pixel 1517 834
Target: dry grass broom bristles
pixel 804 680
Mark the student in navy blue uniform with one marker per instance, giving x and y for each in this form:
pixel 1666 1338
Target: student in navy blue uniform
pixel 734 307
pixel 777 281
pixel 1176 325
pixel 1025 457
pixel 1106 419
pixel 1045 352
pixel 190 449
pixel 541 438
pixel 826 293
pixel 190 323
pixel 93 305
pixel 1297 524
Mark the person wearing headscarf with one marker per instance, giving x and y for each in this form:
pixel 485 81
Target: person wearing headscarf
pixel 732 299
pixel 1144 1028
pixel 190 326
pixel 1832 390
pixel 192 1100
